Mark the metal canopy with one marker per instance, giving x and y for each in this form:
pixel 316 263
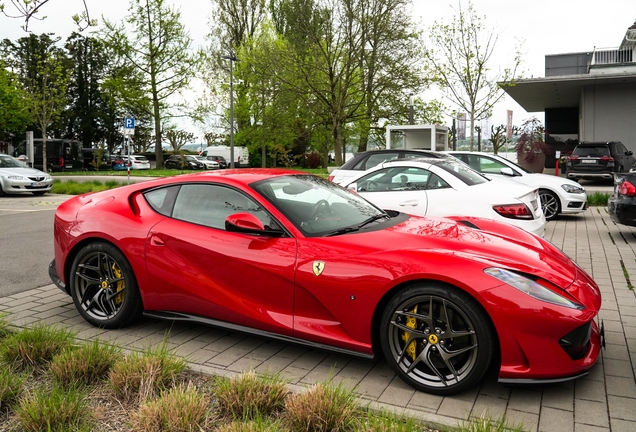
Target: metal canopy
pixel 537 94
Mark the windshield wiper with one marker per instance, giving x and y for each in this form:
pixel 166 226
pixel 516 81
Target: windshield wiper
pixel 344 230
pixel 373 219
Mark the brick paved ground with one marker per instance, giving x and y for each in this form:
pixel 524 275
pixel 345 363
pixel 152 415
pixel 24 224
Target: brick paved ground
pixel 604 400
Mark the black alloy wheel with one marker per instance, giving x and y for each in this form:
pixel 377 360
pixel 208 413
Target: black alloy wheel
pixel 103 286
pixel 437 338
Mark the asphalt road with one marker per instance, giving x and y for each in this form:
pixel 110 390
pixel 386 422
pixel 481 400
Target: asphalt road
pixel 26 241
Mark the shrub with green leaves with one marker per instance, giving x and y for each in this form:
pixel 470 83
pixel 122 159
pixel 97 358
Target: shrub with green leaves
pixel 87 364
pixel 142 375
pixel 10 386
pixel 598 199
pixel 54 410
pixel 179 409
pixel 248 395
pixel 323 408
pixel 34 347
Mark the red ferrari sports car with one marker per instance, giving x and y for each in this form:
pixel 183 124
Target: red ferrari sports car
pixel 296 257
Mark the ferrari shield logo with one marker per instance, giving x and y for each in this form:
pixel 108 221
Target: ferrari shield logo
pixel 318 267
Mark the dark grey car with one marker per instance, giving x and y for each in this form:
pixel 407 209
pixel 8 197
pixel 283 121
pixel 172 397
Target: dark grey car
pixel 599 160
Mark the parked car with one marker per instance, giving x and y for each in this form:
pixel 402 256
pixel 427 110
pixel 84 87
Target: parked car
pixel 621 205
pixel 137 162
pixel 599 160
pixel 218 159
pixel 209 164
pixel 364 160
pixel 558 195
pixel 448 187
pixel 118 163
pixel 289 255
pixel 16 177
pixel 183 162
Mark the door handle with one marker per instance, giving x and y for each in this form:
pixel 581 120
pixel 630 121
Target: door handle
pixel 157 241
pixel 411 203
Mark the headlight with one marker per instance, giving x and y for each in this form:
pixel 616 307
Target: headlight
pixel 17 177
pixel 572 189
pixel 533 289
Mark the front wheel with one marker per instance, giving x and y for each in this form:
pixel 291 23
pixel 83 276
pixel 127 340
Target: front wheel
pixel 436 338
pixel 103 286
pixel 550 204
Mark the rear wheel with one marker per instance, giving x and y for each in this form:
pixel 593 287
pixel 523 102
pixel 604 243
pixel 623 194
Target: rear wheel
pixel 436 338
pixel 104 287
pixel 550 204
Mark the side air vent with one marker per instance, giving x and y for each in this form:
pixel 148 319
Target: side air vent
pixel 469 224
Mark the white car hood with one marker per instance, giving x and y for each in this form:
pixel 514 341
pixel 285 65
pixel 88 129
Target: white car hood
pixel 25 172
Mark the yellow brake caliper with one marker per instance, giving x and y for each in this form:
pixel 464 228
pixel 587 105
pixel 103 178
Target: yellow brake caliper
pixel 411 322
pixel 119 298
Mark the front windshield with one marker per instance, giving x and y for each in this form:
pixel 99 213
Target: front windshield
pixel 7 161
pixel 315 205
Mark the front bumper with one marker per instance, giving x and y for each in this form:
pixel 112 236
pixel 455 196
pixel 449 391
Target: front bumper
pixel 55 278
pixel 21 186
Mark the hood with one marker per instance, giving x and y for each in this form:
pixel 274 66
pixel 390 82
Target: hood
pixel 26 172
pixel 492 243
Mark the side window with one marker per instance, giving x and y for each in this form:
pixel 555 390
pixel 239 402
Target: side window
pixel 488 165
pixel 210 205
pixel 377 159
pixel 398 178
pixel 162 199
pixel 436 182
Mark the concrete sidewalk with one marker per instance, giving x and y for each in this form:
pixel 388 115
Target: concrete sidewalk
pixel 604 400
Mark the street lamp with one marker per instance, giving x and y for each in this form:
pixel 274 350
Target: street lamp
pixel 411 121
pixel 232 58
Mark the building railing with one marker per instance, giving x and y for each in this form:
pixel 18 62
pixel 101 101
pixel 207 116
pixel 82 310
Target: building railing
pixel 609 56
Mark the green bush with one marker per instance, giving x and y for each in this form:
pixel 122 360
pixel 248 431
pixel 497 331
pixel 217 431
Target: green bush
pixel 34 347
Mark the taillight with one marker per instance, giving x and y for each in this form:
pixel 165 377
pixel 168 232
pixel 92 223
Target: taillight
pixel 607 158
pixel 514 211
pixel 627 189
pixel 330 178
pixel 573 157
pixel 62 162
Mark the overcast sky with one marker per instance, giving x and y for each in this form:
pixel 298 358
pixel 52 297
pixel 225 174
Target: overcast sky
pixel 544 26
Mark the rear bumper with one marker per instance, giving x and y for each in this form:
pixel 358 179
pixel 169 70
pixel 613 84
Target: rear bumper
pixel 591 176
pixel 622 210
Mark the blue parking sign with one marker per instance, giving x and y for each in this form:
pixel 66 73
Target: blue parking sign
pixel 129 123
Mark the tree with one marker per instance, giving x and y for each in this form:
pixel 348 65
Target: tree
pixel 159 47
pixel 499 137
pixel 86 115
pixel 14 114
pixel 460 60
pixel 43 72
pixel 178 138
pixel 29 9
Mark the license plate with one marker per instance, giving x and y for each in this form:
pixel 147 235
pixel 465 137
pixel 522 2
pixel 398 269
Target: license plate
pixel 588 161
pixel 37 184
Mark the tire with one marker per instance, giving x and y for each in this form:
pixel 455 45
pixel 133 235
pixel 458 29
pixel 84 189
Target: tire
pixel 38 193
pixel 2 192
pixel 550 204
pixel 103 286
pixel 415 342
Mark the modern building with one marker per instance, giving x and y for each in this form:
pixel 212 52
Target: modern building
pixel 586 96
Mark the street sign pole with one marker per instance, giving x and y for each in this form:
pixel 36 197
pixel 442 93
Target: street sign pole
pixel 129 129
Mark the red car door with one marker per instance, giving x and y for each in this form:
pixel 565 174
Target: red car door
pixel 233 277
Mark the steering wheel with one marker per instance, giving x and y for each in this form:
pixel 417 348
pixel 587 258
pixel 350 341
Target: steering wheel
pixel 322 206
pixel 372 186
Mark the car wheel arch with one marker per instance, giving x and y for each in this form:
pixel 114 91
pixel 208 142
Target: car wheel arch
pixel 386 298
pixel 555 195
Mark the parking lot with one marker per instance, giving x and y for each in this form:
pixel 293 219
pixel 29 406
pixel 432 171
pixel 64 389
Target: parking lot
pixel 604 400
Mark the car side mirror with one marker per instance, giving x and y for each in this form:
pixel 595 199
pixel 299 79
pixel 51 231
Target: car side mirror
pixel 249 224
pixel 629 153
pixel 507 171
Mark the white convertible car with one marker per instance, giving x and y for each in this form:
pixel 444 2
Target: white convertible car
pixel 448 187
